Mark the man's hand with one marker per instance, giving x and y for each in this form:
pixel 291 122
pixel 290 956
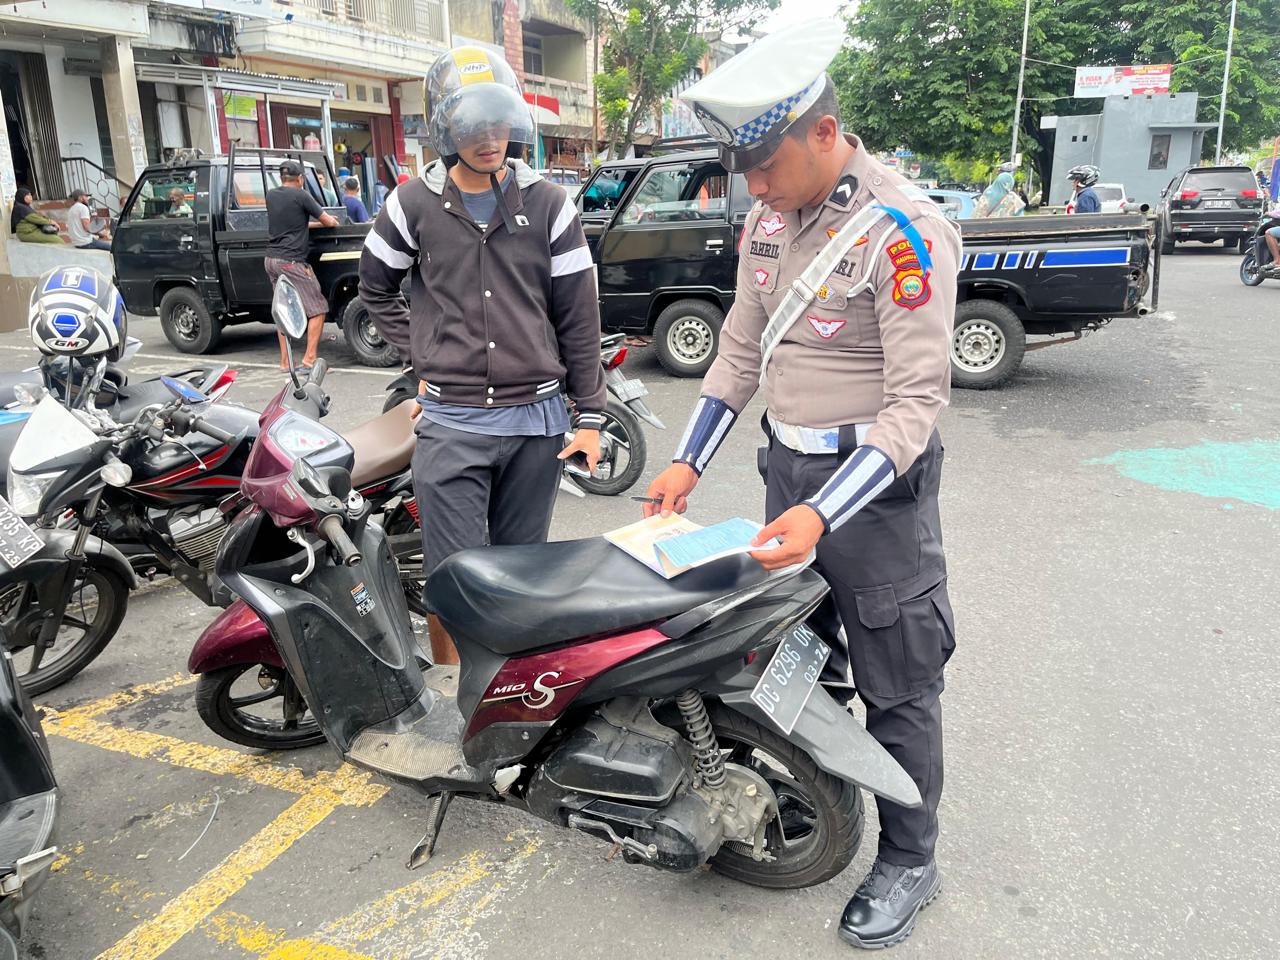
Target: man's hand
pixel 672 486
pixel 799 529
pixel 587 442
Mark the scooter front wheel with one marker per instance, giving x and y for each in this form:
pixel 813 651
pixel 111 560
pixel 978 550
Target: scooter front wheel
pixel 256 705
pixel 821 818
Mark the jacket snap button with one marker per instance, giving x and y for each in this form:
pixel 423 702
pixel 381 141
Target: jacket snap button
pixel 489 400
pixel 488 293
pixel 491 389
pixel 492 344
pixel 447 205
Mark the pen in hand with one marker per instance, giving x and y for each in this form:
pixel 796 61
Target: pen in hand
pixel 647 499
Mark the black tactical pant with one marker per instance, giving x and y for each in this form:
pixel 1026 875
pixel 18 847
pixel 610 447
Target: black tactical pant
pixel 889 591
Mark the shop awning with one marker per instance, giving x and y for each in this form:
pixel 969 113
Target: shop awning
pixel 236 81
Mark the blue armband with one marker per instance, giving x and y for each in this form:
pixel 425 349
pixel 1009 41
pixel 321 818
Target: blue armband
pixel 707 429
pixel 858 481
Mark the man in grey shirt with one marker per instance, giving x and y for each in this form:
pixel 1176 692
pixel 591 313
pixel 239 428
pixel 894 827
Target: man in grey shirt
pixel 79 228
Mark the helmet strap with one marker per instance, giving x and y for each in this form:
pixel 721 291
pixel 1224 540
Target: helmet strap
pixel 496 187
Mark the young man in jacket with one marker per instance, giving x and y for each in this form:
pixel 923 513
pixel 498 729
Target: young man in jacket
pixel 504 319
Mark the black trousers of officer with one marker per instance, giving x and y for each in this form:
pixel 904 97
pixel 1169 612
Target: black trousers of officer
pixel 888 583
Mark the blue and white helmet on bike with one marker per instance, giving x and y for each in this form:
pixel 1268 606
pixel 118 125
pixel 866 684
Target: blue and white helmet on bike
pixel 77 312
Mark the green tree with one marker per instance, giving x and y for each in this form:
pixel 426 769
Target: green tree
pixel 940 76
pixel 650 46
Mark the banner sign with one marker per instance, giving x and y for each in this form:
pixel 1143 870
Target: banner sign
pixel 1123 81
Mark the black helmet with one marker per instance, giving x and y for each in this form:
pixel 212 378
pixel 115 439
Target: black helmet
pixel 1086 173
pixel 469 92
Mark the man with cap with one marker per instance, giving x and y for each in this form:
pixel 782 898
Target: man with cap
pixel 845 303
pixel 291 214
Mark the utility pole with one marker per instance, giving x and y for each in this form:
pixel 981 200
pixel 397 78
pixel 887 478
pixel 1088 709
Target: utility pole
pixel 1022 71
pixel 1226 76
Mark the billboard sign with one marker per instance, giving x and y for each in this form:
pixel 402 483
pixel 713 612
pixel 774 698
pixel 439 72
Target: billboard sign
pixel 1130 81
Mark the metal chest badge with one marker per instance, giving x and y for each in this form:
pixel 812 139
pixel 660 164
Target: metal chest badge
pixel 910 282
pixel 364 602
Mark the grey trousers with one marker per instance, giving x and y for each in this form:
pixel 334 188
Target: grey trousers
pixel 474 489
pixel 888 583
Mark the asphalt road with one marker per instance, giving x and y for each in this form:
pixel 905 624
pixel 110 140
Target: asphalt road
pixel 1111 710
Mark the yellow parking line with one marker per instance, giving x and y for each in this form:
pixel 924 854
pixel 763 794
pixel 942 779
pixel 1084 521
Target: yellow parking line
pixel 180 915
pixel 123 698
pixel 197 756
pixel 267 944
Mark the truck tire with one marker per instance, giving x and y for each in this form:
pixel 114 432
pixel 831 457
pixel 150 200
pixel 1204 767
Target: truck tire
pixel 987 345
pixel 363 337
pixel 187 323
pixel 1166 245
pixel 687 335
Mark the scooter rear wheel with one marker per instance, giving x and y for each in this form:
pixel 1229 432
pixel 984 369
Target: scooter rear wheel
pixel 246 704
pixel 819 829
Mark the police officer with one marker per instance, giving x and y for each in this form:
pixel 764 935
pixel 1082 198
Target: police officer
pixel 855 370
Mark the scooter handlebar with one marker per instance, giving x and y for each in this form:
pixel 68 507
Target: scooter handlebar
pixel 331 529
pixel 209 430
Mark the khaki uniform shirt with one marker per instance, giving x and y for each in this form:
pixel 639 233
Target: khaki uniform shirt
pixel 880 356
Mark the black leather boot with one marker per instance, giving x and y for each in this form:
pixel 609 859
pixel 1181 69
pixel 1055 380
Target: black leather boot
pixel 883 911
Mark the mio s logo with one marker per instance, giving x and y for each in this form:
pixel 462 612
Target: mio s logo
pixel 537 695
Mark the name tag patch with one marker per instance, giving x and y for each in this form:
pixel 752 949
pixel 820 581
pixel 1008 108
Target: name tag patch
pixel 769 251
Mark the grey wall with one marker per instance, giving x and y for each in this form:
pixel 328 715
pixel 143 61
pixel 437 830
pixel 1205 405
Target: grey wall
pixel 1121 140
pixel 1076 142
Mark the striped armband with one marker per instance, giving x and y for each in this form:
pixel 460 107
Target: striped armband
pixel 588 420
pixel 860 479
pixel 707 429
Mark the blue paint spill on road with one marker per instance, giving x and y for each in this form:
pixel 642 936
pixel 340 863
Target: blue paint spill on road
pixel 1248 472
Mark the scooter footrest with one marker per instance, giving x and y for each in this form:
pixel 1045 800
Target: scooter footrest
pixel 429 747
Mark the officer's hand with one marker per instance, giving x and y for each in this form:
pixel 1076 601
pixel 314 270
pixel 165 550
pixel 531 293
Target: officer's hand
pixel 672 486
pixel 799 529
pixel 586 442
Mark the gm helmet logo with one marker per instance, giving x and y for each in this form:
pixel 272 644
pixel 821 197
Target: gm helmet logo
pixel 67 343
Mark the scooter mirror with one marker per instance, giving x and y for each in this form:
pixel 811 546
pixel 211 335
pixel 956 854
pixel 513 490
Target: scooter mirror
pixel 287 309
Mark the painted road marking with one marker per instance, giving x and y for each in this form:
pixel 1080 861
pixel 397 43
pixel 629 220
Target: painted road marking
pixel 1248 472
pixel 184 912
pixel 371 371
pixel 432 916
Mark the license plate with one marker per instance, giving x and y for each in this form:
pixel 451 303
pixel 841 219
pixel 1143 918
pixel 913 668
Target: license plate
pixel 627 390
pixel 18 542
pixel 788 681
pixel 1219 204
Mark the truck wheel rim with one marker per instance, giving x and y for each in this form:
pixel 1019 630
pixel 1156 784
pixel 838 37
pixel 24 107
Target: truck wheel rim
pixel 369 333
pixel 977 346
pixel 690 340
pixel 186 322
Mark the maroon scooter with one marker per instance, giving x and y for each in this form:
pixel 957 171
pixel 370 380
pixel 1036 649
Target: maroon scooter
pixel 681 720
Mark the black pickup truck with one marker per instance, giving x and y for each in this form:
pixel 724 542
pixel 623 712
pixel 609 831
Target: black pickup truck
pixel 191 239
pixel 664 234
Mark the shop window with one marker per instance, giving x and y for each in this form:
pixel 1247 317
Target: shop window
pixel 167 195
pixel 533 54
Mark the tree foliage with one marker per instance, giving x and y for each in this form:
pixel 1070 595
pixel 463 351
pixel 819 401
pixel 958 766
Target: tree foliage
pixel 651 45
pixel 940 76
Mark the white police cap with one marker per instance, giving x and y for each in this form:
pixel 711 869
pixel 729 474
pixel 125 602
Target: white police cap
pixel 748 104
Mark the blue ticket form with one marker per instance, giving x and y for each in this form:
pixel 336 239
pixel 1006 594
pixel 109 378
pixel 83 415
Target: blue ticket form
pixel 711 543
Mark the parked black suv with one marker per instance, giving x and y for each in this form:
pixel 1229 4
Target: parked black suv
pixel 1208 204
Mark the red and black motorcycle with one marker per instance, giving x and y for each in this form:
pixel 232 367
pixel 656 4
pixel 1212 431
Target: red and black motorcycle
pixel 681 719
pixel 116 500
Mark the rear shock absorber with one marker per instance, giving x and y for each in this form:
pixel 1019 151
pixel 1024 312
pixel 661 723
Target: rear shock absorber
pixel 705 749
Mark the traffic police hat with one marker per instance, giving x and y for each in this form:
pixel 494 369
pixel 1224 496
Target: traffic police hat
pixel 748 104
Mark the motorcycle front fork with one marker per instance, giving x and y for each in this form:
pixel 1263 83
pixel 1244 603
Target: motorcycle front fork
pixel 60 590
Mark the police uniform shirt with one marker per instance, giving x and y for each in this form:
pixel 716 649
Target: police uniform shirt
pixel 879 355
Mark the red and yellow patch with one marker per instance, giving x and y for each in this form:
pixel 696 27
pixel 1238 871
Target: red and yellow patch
pixel 831 235
pixel 910 282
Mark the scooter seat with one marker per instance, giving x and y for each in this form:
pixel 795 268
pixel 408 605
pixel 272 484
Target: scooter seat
pixel 515 599
pixel 383 445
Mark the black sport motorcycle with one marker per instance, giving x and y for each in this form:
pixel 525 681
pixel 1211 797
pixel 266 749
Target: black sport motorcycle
pixel 116 500
pixel 623 448
pixel 1257 265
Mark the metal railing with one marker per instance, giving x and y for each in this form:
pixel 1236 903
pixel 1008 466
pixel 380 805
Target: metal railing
pixel 411 19
pixel 108 190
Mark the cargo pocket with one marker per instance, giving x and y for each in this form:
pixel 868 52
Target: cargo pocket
pixel 876 648
pixel 928 634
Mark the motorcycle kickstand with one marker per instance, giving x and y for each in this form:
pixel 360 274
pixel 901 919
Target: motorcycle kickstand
pixel 437 806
